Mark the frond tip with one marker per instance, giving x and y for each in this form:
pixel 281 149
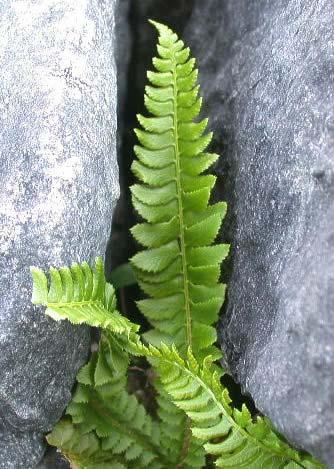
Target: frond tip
pixel 179 269
pixel 81 295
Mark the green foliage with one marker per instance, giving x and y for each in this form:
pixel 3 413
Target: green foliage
pixel 81 295
pixel 231 435
pixel 180 269
pixel 82 448
pixel 104 409
pixel 106 427
pixel 109 428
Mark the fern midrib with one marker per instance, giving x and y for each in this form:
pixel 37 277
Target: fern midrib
pixel 133 434
pixel 180 209
pixel 62 304
pixel 231 420
pixel 187 426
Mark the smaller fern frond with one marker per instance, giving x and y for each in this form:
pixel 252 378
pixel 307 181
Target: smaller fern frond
pixel 81 295
pixel 179 268
pixel 229 434
pixel 117 426
pixel 81 448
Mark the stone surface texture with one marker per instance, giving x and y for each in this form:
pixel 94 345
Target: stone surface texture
pixel 267 75
pixel 59 184
pixel 123 56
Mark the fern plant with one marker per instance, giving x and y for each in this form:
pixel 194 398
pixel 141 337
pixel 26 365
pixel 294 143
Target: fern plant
pixel 105 425
pixel 179 269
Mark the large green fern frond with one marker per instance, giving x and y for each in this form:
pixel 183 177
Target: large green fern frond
pixel 230 435
pixel 180 269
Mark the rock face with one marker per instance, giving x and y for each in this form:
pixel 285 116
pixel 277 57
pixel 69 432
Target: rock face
pixel 59 184
pixel 267 74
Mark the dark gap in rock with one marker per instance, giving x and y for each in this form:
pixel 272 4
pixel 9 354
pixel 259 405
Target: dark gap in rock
pixel 238 398
pixel 53 460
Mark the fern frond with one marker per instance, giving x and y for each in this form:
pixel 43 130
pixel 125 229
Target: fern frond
pixel 175 270
pixel 112 420
pixel 232 436
pixel 179 269
pixel 81 295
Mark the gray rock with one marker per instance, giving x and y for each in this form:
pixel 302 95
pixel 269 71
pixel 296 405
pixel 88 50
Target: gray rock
pixel 120 235
pixel 20 449
pixel 123 56
pixel 59 184
pixel 267 74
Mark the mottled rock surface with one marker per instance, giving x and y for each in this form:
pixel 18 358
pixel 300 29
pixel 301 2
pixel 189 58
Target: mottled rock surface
pixel 267 74
pixel 59 184
pixel 124 44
